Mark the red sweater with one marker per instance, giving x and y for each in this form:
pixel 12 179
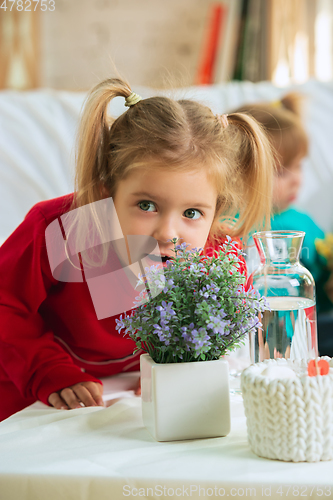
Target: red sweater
pixel 50 337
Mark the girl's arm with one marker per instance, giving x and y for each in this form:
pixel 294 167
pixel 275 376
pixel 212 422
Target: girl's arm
pixel 32 360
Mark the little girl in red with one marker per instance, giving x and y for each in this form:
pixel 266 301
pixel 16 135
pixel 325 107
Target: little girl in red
pixel 171 168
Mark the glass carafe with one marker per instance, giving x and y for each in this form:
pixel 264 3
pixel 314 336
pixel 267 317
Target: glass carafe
pixel 289 329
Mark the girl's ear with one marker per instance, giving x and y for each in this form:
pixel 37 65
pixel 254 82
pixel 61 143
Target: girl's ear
pixel 103 191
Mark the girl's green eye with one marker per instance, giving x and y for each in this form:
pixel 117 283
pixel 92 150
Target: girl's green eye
pixel 147 206
pixel 191 213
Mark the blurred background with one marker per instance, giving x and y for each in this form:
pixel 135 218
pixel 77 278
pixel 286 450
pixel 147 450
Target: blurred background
pixel 72 44
pixel 223 53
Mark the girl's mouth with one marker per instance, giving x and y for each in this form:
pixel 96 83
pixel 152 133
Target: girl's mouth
pixel 157 258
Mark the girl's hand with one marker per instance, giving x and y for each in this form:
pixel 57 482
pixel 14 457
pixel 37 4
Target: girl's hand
pixel 88 393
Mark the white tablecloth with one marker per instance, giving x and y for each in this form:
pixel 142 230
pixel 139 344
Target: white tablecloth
pixel 106 453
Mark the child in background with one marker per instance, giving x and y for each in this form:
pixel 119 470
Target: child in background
pixel 282 121
pixel 171 168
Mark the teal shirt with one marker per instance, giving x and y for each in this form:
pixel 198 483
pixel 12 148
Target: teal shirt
pixel 293 220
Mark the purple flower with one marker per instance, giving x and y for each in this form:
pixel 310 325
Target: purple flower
pixel 165 309
pixel 119 324
pixel 200 339
pixel 217 325
pixel 204 311
pixel 266 303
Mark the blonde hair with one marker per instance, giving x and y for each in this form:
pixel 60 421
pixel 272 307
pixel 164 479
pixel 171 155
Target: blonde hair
pixel 283 124
pixel 178 135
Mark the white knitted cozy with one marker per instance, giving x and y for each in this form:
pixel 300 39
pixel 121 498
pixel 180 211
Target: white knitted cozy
pixel 289 419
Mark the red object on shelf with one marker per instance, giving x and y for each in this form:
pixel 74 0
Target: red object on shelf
pixel 215 24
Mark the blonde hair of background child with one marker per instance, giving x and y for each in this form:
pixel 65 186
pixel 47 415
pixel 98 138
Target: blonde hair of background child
pixel 282 121
pixel 159 132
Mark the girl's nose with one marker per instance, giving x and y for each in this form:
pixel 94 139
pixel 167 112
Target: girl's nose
pixel 166 229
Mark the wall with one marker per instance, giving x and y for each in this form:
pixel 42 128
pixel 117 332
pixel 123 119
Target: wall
pixel 147 40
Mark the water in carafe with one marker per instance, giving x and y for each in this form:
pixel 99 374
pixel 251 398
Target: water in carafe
pixel 289 328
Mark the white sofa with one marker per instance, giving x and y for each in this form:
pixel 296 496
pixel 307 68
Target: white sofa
pixel 37 133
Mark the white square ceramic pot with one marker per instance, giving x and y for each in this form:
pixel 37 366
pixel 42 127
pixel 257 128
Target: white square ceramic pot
pixel 185 400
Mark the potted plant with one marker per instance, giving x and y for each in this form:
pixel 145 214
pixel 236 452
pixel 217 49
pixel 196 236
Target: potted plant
pixel 200 310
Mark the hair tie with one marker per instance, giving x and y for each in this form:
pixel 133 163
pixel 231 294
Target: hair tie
pixel 223 119
pixel 276 104
pixel 132 99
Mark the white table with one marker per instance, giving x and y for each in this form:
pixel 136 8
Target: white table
pixel 107 454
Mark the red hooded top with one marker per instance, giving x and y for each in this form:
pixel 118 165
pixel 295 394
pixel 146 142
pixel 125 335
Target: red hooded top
pixel 50 337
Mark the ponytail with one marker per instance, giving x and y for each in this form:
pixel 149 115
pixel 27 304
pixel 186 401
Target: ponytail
pixel 86 228
pixel 252 177
pixel 282 122
pixel 93 140
pixel 293 102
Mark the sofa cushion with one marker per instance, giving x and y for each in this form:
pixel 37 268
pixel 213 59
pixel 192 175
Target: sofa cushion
pixel 37 139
